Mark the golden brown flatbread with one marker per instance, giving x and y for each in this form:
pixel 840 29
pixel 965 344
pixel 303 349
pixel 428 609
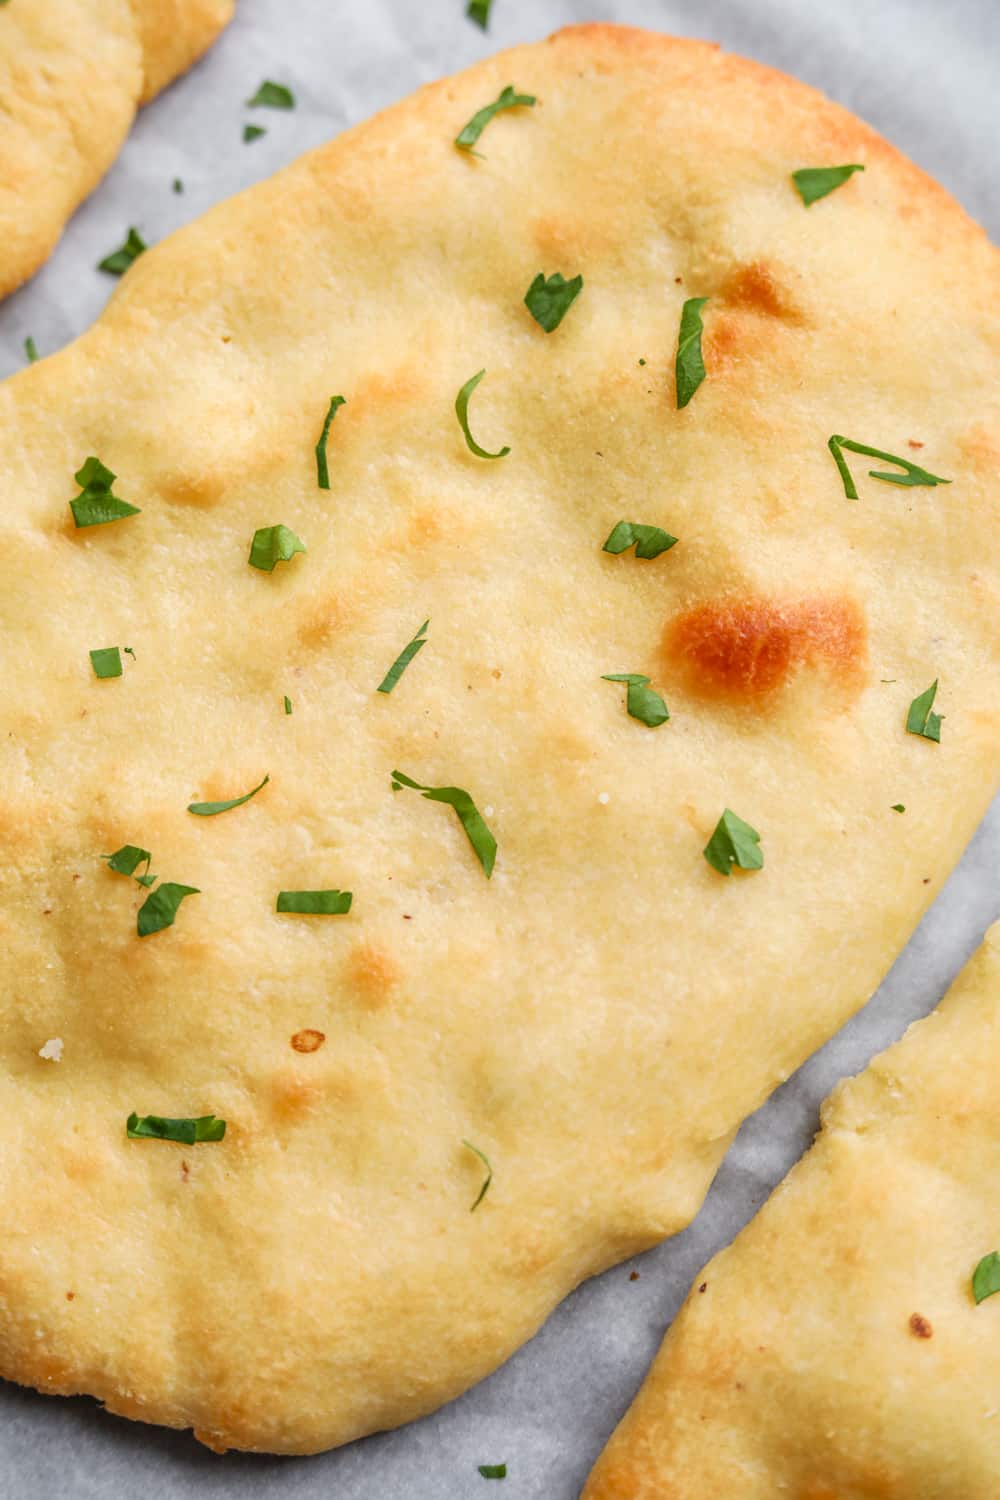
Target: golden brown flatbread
pixel 599 1016
pixel 836 1350
pixel 72 75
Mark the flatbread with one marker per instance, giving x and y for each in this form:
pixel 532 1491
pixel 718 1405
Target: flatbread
pixel 835 1351
pixel 72 75
pixel 599 1016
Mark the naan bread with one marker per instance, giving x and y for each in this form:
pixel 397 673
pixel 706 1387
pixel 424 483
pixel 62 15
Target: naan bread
pixel 835 1351
pixel 72 75
pixel 599 1017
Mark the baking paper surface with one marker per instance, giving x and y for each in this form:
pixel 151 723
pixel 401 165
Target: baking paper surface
pixel 925 75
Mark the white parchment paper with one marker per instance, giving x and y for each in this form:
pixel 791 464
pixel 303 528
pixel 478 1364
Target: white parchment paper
pixel 925 72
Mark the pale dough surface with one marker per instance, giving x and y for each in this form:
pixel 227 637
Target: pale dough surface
pixel 72 75
pixel 835 1350
pixel 601 1015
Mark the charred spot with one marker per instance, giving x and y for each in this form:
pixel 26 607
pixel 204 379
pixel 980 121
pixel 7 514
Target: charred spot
pixel 703 1287
pixel 920 1327
pixel 749 647
pixel 308 1040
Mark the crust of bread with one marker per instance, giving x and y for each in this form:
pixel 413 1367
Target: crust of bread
pixel 835 1351
pixel 59 133
pixel 601 1016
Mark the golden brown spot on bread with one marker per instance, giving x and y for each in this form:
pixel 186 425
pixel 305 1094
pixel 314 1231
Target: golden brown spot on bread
pixel 293 1096
pixel 758 289
pixel 70 1296
pixel 308 1040
pixel 371 974
pixel 920 1327
pixel 748 647
pixel 321 621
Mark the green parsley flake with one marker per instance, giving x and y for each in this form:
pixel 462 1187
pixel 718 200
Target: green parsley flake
pixel 118 262
pixel 913 474
pixel 689 366
pixel 734 843
pixel 106 661
pixel 178 185
pixel 489 1173
pixel 315 903
pixel 479 11
pixel 288 704
pixel 403 660
pixel 185 1132
pixel 209 809
pixel 920 720
pixel 641 701
pixel 509 99
pixel 815 182
pixel 272 96
pixel 649 541
pixel 986 1277
pixel 96 505
pixel 462 412
pixel 160 907
pixel 322 471
pixel 30 350
pixel 272 545
pixel 493 1471
pixel 549 301
pixel 898 807
pixel 127 859
pixel 471 819
pixel 253 133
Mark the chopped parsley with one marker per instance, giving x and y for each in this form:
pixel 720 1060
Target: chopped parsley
pixel 272 96
pixel 315 903
pixel 209 809
pixel 920 720
pixel 898 807
pixel 403 660
pixel 493 1471
pixel 815 182
pixel 734 843
pixel 30 350
pixel 648 541
pixel 127 859
pixel 160 907
pixel 913 474
pixel 689 366
pixel 253 133
pixel 288 704
pixel 508 99
pixel 272 545
pixel 641 701
pixel 322 471
pixel 178 185
pixel 986 1277
pixel 462 412
pixel 479 11
pixel 118 262
pixel 96 504
pixel 106 661
pixel 489 1173
pixel 549 301
pixel 471 819
pixel 186 1132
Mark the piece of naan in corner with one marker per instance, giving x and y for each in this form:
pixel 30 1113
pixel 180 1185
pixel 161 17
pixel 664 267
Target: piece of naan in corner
pixel 598 1017
pixel 73 73
pixel 836 1350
